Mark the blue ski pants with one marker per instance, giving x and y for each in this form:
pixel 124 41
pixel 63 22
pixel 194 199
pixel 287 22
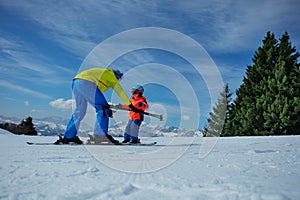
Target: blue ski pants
pixel 132 130
pixel 87 92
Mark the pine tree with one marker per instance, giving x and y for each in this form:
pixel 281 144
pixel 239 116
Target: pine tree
pixel 282 114
pixel 268 101
pixel 218 115
pixel 229 112
pixel 247 117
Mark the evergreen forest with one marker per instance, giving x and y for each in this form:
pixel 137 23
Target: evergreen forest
pixel 268 100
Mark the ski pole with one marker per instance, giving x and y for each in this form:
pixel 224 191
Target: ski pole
pixel 118 107
pixel 160 117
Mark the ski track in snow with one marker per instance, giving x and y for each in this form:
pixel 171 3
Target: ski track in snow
pixel 253 168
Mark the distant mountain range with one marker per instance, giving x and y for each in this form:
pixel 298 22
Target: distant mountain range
pixel 50 126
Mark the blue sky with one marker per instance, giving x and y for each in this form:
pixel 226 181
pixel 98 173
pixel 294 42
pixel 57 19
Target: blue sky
pixel 45 43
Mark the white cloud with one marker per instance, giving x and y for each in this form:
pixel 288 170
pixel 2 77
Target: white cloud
pixel 62 104
pixel 23 60
pixel 26 103
pixel 221 25
pixel 234 26
pixel 63 23
pixel 11 86
pixel 23 54
pixel 186 117
pixel 37 111
pixel 8 44
pixel 243 24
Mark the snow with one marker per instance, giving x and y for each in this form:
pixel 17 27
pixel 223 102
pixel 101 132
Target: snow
pixel 235 168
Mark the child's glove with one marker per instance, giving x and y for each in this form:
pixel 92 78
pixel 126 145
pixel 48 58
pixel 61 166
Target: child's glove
pixel 134 109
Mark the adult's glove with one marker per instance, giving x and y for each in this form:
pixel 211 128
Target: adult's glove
pixel 134 109
pixel 110 113
pixel 107 111
pixel 106 106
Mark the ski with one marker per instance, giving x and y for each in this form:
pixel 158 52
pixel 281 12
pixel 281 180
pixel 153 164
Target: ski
pixel 98 144
pixel 140 144
pixel 91 141
pixel 49 143
pixel 123 144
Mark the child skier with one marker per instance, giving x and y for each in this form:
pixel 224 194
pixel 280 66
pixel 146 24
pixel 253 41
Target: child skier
pixel 135 119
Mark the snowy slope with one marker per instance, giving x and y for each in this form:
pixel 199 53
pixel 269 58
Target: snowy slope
pixel 236 168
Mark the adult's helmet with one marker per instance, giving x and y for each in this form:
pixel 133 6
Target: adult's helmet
pixel 118 74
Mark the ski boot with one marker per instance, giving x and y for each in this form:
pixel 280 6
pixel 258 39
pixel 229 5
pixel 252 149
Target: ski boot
pixel 126 141
pixel 64 140
pixel 101 139
pixel 135 141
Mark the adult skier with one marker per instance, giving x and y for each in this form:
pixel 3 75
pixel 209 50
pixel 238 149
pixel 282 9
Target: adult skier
pixel 88 87
pixel 135 118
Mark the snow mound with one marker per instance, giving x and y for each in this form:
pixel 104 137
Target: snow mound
pixel 236 168
pixel 2 131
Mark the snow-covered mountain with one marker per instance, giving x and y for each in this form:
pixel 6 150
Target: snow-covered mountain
pixel 56 126
pixel 147 130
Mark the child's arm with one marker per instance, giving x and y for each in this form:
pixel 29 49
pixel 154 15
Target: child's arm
pixel 125 106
